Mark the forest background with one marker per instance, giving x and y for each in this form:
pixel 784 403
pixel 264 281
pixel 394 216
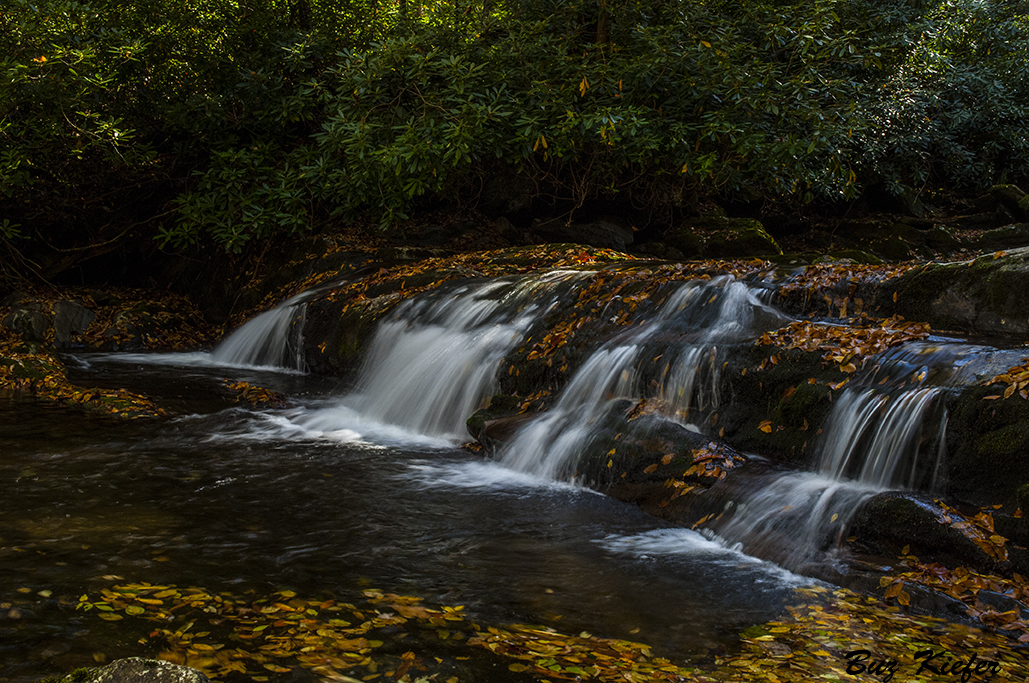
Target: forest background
pixel 184 125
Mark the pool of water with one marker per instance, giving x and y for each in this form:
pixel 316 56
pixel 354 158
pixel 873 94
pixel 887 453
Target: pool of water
pixel 316 500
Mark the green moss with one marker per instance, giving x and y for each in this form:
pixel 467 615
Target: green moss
pixel 999 447
pixel 76 676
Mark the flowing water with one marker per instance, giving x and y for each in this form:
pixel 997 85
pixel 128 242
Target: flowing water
pixel 236 500
pixel 365 486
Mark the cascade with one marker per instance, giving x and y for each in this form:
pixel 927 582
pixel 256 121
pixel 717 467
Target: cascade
pixel 687 334
pixel 876 439
pixel 433 362
pixel 272 339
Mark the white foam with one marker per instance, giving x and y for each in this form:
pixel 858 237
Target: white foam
pixel 198 359
pixel 686 543
pixel 480 475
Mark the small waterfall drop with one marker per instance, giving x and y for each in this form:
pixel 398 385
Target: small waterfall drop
pixel 272 339
pixel 886 431
pixel 689 327
pixel 433 362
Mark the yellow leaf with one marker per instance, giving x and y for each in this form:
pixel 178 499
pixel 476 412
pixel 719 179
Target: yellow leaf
pixel 705 43
pixel 650 468
pixel 276 668
pixel 766 426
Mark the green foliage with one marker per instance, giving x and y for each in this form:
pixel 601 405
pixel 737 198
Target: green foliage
pixel 277 117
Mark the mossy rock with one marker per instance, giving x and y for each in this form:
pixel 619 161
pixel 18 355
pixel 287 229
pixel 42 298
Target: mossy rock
pixel 942 239
pixel 686 241
pixel 740 238
pixel 781 394
pixel 864 230
pixel 716 236
pixel 893 248
pixel 981 296
pixel 134 670
pixel 1007 237
pixel 1009 197
pixel 987 446
pixel 889 522
pixel 852 255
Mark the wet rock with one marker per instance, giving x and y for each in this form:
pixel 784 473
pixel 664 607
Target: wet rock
pixel 987 446
pixel 138 670
pixel 494 425
pixel 336 331
pixel 888 522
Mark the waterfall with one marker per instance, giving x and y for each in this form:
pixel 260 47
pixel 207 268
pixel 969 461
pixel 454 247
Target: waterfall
pixel 877 438
pixel 433 362
pixel 272 339
pixel 686 335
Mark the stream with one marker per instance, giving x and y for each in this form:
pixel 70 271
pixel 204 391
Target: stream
pixel 240 500
pixel 362 489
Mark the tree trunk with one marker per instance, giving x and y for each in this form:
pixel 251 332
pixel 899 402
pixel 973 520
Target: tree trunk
pixel 602 24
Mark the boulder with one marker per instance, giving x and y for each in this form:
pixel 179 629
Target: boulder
pixel 887 523
pixel 603 234
pixel 29 323
pixel 137 670
pixel 70 320
pixel 983 296
pixel 716 236
pixel 1007 237
pixel 1007 198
